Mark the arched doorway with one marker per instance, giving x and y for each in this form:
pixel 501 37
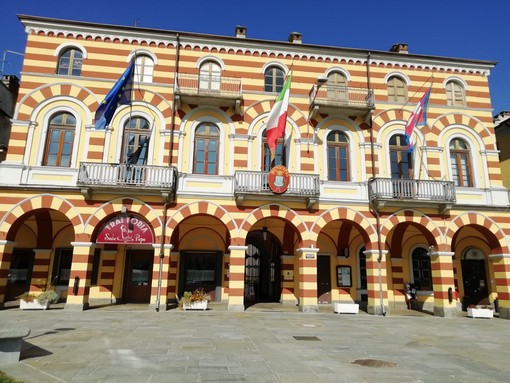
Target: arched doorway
pixel 476 290
pixel 262 282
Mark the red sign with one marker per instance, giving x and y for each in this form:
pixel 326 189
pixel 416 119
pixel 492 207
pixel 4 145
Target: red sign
pixel 126 229
pixel 279 179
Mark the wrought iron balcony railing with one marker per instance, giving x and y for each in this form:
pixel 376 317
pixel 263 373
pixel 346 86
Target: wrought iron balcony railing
pixel 94 175
pixel 388 190
pixel 334 98
pixel 216 90
pixel 304 187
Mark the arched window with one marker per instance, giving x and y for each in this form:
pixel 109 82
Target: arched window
pixel 60 140
pixel 266 153
pixel 207 142
pixel 144 69
pixel 338 157
pixel 455 94
pixel 274 78
pixel 70 62
pixel 400 158
pixel 460 161
pixel 135 141
pixel 422 275
pixel 397 89
pixel 337 87
pixel 210 75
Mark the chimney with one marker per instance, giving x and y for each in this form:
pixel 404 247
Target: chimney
pixel 295 38
pixel 241 32
pixel 400 48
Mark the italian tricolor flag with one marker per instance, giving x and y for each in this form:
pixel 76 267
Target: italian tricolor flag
pixel 277 120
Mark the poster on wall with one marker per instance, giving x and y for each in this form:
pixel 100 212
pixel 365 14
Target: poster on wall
pixel 343 275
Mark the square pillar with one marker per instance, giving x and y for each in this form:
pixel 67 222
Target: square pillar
pixel 160 276
pixel 6 248
pixel 377 282
pixel 443 280
pixel 307 280
pixel 236 278
pixel 79 280
pixel 501 266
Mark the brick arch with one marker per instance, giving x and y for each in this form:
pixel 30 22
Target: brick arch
pixel 208 208
pixel 390 115
pixel 408 216
pixel 256 109
pixel 346 214
pixel 43 201
pixel 462 119
pixel 45 92
pixel 114 207
pixel 275 211
pixel 154 99
pixel 474 218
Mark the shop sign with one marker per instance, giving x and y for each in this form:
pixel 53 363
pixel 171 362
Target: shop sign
pixel 279 179
pixel 125 229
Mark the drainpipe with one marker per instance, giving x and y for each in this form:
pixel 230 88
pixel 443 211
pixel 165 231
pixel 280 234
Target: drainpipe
pixel 177 50
pixel 161 256
pixel 374 210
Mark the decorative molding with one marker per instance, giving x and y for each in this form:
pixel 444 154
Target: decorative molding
pixel 271 49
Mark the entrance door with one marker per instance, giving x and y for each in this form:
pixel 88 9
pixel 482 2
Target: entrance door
pixel 138 277
pixel 475 282
pixel 323 279
pixel 20 273
pixel 262 269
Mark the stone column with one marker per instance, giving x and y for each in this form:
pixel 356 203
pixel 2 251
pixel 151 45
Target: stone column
pixel 6 248
pixel 501 266
pixel 307 280
pixel 442 280
pixel 377 282
pixel 81 271
pixel 161 257
pixel 236 278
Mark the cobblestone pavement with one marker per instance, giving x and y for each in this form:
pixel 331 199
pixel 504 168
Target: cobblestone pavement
pixel 266 343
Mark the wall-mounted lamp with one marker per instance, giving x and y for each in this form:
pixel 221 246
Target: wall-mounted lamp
pixel 346 252
pixel 264 233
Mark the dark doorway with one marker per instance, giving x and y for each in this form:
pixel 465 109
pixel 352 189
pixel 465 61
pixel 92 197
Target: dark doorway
pixel 20 273
pixel 262 282
pixel 475 283
pixel 323 279
pixel 138 276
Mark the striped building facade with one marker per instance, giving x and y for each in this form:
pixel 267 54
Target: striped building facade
pixel 178 192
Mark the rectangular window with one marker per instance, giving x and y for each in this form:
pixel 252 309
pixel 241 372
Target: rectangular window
pixel 62 266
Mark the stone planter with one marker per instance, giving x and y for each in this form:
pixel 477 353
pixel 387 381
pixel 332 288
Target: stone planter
pixel 202 305
pixel 479 313
pixel 346 308
pixel 34 305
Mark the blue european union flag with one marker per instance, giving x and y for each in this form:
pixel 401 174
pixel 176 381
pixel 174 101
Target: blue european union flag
pixel 120 94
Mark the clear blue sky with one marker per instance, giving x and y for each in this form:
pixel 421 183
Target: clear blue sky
pixel 472 29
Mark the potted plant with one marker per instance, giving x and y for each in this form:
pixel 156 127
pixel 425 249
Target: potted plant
pixel 38 301
pixel 196 300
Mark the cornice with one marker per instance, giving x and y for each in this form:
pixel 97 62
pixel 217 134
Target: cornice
pixel 254 47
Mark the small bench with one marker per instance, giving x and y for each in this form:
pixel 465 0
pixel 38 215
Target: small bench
pixel 346 308
pixel 10 344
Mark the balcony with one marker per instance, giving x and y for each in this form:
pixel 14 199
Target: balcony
pixel 143 179
pixel 255 185
pixel 400 192
pixel 210 90
pixel 331 99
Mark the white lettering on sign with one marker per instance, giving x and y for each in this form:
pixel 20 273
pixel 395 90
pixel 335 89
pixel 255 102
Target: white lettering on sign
pixel 126 229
